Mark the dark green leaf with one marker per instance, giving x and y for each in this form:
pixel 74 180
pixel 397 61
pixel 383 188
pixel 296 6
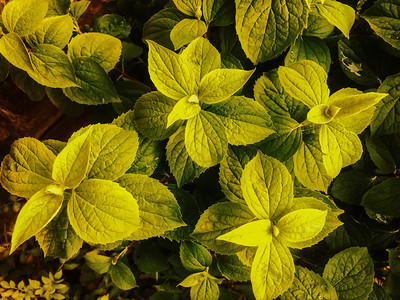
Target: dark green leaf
pixel 384 198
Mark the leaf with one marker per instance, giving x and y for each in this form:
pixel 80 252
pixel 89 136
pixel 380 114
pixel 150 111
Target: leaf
pixel 322 113
pixel 218 219
pixel 309 285
pixel 4 68
pixel 305 81
pixel 219 13
pixel 51 67
pixel 102 212
pixel 159 210
pixel 301 225
pixel 101 48
pixel 205 289
pixel 78 8
pixel 95 86
pixel 55 30
pixel 71 164
pixel 205 139
pixel 192 279
pixel 278 24
pixel 230 172
pixel 181 164
pixel 378 293
pixel 122 276
pixel 318 26
pixel 63 103
pixel 151 114
pixel 24 16
pixel 114 25
pixel 232 268
pixel 149 258
pixel 272 271
pixel 186 31
pixel 340 147
pixel 245 121
pixel 359 122
pixel 383 198
pixel 99 263
pixel 383 17
pixel 169 73
pixel 351 272
pixel 380 150
pixel 218 85
pixel 194 257
pixel 129 92
pixel 13 49
pixel 394 260
pixel 267 187
pixel 25 83
pixel 252 234
pixel 147 156
pixel 338 14
pixel 27 168
pixel 40 209
pixel 311 48
pixel 184 109
pixel 188 7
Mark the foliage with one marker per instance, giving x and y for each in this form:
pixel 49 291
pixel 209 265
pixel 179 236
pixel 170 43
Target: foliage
pixel 246 149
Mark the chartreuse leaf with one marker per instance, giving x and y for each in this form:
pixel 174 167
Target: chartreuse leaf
pixel 102 212
pixel 13 49
pixel 322 114
pixel 219 219
pixel 101 48
pixel 54 30
pixel 338 14
pixel 99 263
pixel 40 209
pixel 264 30
pixel 58 7
pixel 51 67
pixel 232 268
pixel 159 210
pixel 205 139
pixel 194 257
pixel 122 276
pixel 184 109
pixel 186 31
pixel 301 225
pixel 181 164
pixel 305 81
pixel 78 8
pixel 169 73
pixel 71 164
pixel 309 285
pixel 358 122
pixel 206 288
pixel 95 86
pixel 272 271
pixel 24 16
pixel 383 17
pixel 351 272
pixel 220 84
pixel 267 187
pixel 245 121
pixel 189 7
pixel 27 168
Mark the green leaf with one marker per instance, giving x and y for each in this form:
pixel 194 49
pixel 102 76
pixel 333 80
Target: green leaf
pixel 24 16
pixel 311 48
pixel 99 263
pixel 54 30
pixel 232 268
pixel 149 258
pixel 4 68
pixel 189 7
pixel 159 210
pixel 205 139
pixel 58 238
pixel 25 83
pixel 252 234
pixel 186 31
pixel 245 121
pixel 159 26
pixel 272 272
pixel 378 293
pixel 322 113
pixel 318 26
pixel 219 12
pixel 51 67
pixel 267 187
pixel 71 164
pixel 194 257
pixel 278 24
pixel 58 7
pixel 218 219
pixel 220 84
pixel 230 172
pixel 351 272
pixel 192 279
pixel 305 81
pixel 101 48
pixel 78 8
pixel 27 168
pixel 358 122
pixel 381 150
pixel 181 164
pixel 129 92
pixel 114 25
pixel 309 285
pixel 13 49
pixel 394 260
pixel 301 225
pixel 102 212
pixel 205 289
pixel 169 73
pixel 338 14
pixel 95 86
pixel 40 209
pixel 122 276
pixel 340 147
pixel 63 103
pixel 184 109
pixel 383 198
pixel 147 156
pixel 383 17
